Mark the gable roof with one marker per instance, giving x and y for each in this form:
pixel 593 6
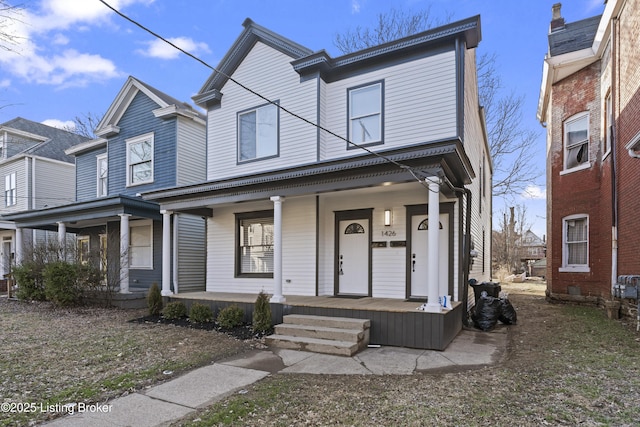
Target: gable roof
pixel 305 60
pixel 251 34
pixel 53 141
pixel 169 105
pixel 574 36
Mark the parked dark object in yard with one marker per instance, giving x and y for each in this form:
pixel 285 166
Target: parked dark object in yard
pixel 508 314
pixel 486 313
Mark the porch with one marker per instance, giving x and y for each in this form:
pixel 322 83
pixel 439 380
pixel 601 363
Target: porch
pixel 394 322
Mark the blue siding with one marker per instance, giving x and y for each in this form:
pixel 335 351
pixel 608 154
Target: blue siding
pixel 146 277
pixel 138 120
pixel 86 174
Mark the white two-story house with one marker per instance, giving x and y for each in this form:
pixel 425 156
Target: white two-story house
pixel 364 176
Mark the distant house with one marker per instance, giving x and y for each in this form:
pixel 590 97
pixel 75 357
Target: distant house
pixel 589 103
pixel 36 173
pixel 386 205
pixel 531 248
pixel 146 140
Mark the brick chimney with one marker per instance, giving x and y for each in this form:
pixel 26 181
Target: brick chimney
pixel 557 21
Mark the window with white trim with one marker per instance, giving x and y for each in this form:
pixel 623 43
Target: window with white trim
pixel 258 133
pixel 576 141
pixel 575 243
pixel 140 160
pixel 103 172
pixel 365 114
pixel 254 244
pixel 10 194
pixel 141 244
pixel 83 245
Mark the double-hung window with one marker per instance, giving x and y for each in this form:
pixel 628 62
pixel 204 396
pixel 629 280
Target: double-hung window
pixel 102 175
pixel 365 114
pixel 258 133
pixel 140 160
pixel 576 141
pixel 575 243
pixel 254 244
pixel 141 244
pixel 10 195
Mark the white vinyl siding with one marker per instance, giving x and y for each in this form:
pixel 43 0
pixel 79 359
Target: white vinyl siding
pixel 431 116
pixel 298 252
pixel 54 183
pixel 191 160
pixel 276 80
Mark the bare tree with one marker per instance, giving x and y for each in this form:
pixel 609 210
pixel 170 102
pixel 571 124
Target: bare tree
pixel 85 125
pixel 510 143
pixel 8 14
pixel 507 240
pixel 392 25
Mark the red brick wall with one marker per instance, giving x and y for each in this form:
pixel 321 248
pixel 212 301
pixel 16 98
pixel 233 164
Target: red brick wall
pixel 586 191
pixel 628 126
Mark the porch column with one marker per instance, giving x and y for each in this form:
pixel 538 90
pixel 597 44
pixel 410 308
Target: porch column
pixel 166 253
pixel 19 246
pixel 124 253
pixel 433 263
pixel 62 239
pixel 277 250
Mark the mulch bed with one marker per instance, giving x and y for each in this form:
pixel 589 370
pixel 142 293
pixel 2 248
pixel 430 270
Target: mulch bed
pixel 242 332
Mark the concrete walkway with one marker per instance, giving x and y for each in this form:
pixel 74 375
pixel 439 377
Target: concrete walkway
pixel 172 400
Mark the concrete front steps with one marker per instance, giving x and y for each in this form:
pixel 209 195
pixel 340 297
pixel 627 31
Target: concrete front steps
pixel 321 334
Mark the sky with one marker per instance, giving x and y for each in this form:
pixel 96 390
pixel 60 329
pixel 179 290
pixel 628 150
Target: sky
pixel 72 56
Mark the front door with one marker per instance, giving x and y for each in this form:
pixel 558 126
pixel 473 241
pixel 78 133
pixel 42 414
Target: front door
pixel 6 258
pixel 353 256
pixel 420 252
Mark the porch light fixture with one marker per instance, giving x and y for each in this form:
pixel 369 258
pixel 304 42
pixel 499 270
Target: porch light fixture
pixel 387 217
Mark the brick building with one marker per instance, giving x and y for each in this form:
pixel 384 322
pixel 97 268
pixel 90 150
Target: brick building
pixel 590 105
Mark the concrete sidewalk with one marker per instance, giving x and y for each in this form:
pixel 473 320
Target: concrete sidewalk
pixel 172 400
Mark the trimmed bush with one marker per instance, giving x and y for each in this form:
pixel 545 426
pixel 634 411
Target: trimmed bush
pixel 28 276
pixel 230 317
pixel 200 313
pixel 154 300
pixel 262 314
pixel 174 310
pixel 61 283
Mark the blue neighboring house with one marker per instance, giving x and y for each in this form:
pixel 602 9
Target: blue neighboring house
pixel 146 141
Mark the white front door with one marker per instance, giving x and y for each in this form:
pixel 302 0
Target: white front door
pixel 353 257
pixel 420 254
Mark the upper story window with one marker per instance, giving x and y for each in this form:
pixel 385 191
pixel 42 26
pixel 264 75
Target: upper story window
pixel 103 171
pixel 140 160
pixel 10 194
pixel 258 133
pixel 576 141
pixel 575 243
pixel 607 141
pixel 365 114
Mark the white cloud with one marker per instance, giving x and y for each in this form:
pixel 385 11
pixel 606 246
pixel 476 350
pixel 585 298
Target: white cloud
pixel 37 58
pixel 159 49
pixel 534 192
pixel 5 83
pixel 356 5
pixel 66 125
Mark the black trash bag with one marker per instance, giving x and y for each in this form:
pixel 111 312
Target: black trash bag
pixel 486 312
pixel 508 314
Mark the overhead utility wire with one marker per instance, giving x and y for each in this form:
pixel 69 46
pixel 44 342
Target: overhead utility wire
pixel 248 89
